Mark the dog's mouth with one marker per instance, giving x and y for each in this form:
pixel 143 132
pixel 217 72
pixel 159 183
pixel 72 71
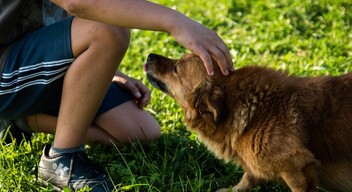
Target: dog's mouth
pixel 154 81
pixel 157 83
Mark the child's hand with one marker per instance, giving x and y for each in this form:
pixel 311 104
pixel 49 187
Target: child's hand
pixel 140 92
pixel 205 43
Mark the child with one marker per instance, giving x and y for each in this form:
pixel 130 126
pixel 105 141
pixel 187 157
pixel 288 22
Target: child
pixel 58 75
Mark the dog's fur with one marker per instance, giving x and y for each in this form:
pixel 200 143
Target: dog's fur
pixel 277 127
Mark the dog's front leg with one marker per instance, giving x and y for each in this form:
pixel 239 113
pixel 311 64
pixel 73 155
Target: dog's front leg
pixel 305 180
pixel 247 182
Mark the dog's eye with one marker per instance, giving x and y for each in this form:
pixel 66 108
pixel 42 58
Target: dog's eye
pixel 175 69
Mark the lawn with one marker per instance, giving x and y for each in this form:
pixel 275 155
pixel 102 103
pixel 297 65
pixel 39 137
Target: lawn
pixel 305 37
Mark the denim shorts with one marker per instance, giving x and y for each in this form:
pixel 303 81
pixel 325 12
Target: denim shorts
pixel 34 71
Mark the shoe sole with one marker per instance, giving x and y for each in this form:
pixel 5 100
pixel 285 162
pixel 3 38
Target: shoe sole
pixel 47 184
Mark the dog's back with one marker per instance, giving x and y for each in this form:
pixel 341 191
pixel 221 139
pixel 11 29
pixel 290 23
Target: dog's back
pixel 324 120
pixel 326 106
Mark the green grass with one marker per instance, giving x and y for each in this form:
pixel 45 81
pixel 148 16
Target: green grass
pixel 307 38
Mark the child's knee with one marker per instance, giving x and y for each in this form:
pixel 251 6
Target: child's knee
pixel 116 37
pixel 145 129
pixel 152 130
pixel 103 36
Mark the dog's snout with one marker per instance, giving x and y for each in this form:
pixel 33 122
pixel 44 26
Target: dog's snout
pixel 151 57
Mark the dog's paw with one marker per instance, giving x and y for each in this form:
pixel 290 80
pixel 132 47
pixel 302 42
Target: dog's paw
pixel 224 190
pixel 234 189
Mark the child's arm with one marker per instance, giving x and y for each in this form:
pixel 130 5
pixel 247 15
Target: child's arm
pixel 140 14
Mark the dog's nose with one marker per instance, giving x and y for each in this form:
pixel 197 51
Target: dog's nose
pixel 151 57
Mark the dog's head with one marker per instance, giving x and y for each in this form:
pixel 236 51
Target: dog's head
pixel 187 81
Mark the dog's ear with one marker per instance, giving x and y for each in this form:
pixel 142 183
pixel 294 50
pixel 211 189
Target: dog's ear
pixel 208 102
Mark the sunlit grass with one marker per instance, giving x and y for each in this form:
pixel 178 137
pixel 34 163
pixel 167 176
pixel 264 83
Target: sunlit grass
pixel 307 38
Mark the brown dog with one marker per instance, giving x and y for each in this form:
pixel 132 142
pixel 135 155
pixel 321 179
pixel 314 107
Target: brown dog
pixel 276 127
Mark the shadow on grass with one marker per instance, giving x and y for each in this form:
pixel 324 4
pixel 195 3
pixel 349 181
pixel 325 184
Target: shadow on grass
pixel 173 163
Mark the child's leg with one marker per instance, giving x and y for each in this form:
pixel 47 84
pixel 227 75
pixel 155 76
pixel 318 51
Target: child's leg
pixel 98 50
pixel 118 119
pixel 128 123
pixel 122 124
